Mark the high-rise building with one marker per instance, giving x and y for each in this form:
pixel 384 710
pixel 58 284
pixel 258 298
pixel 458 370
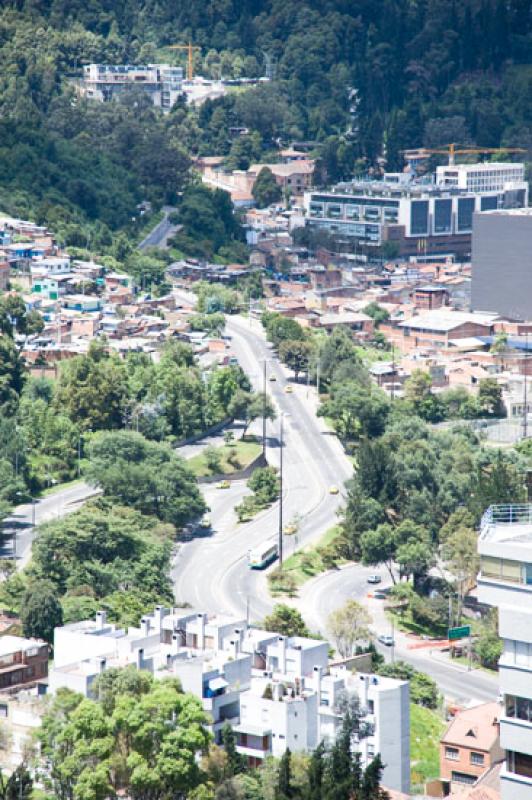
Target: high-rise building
pixel 502 263
pixel 505 582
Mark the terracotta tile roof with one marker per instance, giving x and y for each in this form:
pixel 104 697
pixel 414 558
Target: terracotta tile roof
pixel 474 727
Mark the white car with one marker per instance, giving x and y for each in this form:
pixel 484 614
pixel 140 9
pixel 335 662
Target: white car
pixel 374 579
pixel 385 638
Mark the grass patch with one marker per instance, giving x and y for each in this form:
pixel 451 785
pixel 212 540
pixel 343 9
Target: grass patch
pixel 232 457
pixel 305 564
pixel 370 355
pixel 405 623
pixel 426 728
pixel 60 487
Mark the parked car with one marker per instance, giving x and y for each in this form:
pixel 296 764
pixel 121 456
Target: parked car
pixel 273 378
pixel 223 485
pixel 374 579
pixel 333 490
pixel 379 595
pixel 385 638
pixel 288 389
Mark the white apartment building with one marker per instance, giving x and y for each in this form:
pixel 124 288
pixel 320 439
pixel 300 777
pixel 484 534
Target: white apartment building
pixel 483 177
pixel 275 691
pixel 505 581
pixel 105 82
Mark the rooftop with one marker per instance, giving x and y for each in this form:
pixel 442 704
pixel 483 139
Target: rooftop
pixel 507 523
pixel 475 727
pixel 446 320
pixel 14 644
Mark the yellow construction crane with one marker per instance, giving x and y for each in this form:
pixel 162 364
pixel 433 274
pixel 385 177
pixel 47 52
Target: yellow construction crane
pixel 190 57
pixel 452 151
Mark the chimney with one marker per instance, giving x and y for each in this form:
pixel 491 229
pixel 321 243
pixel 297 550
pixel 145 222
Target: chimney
pixel 176 643
pixel 364 693
pixel 145 626
pixel 201 632
pixel 235 647
pixel 102 665
pixel 101 619
pixel 282 654
pixel 140 657
pixel 159 614
pixel 317 675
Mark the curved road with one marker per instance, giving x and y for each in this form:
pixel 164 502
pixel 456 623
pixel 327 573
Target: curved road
pixel 213 574
pixel 323 594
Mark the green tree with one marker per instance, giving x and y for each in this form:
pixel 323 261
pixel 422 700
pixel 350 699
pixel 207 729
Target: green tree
pixel 285 621
pixel 376 312
pixel 264 483
pixel 92 389
pixel 489 398
pixel 145 475
pixel 11 376
pixel 266 191
pixel 18 786
pixel 41 611
pixel 148 746
pixel 236 763
pixel 296 355
pixel 284 789
pixel 349 625
pixel 379 546
pixel 423 689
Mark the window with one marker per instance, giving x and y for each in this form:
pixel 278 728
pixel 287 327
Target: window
pixel 451 753
pixel 419 217
pixel 466 206
pixel 519 763
pixel 442 216
pixel 476 758
pixel 463 777
pixel 519 708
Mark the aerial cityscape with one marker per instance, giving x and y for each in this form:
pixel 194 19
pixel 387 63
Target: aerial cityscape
pixel 265 400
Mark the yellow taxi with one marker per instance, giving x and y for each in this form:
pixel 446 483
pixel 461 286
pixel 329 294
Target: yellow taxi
pixel 288 389
pixel 223 485
pixel 333 489
pixel 290 529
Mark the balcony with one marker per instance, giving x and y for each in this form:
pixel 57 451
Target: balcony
pixel 495 520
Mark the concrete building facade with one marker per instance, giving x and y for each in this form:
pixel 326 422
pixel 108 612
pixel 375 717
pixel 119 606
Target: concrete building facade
pixel 505 582
pixel 502 263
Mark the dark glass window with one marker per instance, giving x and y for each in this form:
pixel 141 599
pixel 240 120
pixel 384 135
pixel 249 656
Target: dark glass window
pixel 442 216
pixel 419 217
pixel 488 203
pixel 466 206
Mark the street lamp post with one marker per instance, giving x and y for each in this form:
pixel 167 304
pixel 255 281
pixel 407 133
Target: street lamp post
pixel 281 448
pixel 265 361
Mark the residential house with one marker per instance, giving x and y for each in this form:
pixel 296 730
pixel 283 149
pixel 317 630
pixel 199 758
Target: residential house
pixel 23 662
pixel 470 745
pixel 275 691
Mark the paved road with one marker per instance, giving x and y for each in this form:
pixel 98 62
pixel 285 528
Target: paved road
pixel 326 592
pixel 18 528
pixel 213 574
pixel 161 233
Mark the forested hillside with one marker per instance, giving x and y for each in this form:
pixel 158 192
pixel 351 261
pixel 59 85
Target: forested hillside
pixel 359 77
